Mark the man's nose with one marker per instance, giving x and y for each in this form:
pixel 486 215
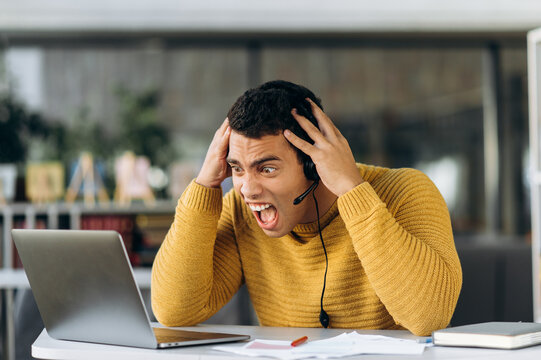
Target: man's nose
pixel 250 187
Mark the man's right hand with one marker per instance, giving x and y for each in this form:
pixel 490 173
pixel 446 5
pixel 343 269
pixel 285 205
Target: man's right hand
pixel 215 168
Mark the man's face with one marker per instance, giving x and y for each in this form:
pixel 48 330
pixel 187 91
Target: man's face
pixel 268 175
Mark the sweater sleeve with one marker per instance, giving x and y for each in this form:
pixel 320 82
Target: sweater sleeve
pixel 407 252
pixel 197 269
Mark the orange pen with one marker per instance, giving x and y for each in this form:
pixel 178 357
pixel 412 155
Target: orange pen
pixel 299 341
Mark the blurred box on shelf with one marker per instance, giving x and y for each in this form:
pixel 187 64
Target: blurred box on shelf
pixel 180 176
pixel 8 177
pixel 44 181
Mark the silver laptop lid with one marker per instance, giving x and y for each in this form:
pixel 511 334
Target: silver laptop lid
pixel 84 286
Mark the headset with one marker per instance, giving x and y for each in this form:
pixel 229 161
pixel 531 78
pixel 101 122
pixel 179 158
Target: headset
pixel 309 168
pixel 310 172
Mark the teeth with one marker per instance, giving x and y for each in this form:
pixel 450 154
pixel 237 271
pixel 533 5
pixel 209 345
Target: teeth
pixel 259 207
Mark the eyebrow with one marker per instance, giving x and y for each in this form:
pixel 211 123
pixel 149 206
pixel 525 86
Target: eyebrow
pixel 255 163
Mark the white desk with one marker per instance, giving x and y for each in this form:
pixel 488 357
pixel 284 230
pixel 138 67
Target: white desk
pixel 47 348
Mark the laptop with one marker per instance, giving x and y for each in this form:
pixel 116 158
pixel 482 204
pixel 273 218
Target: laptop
pixel 85 291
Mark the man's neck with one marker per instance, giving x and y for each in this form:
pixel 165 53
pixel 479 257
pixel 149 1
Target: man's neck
pixel 325 199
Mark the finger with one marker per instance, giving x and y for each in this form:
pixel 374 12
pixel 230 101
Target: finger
pixel 224 126
pixel 220 131
pixel 313 132
pixel 299 143
pixel 325 123
pixel 224 141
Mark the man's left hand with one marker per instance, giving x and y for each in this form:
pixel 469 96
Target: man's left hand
pixel 330 152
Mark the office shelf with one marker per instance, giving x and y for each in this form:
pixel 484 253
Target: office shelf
pixel 53 212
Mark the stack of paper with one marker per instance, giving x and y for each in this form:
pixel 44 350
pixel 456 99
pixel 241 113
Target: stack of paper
pixel 346 344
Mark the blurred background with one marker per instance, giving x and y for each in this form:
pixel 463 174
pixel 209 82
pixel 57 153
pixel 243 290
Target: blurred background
pixel 438 86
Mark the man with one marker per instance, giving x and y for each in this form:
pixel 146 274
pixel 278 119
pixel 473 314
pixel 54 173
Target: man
pixel 384 233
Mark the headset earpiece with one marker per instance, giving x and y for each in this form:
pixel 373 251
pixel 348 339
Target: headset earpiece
pixel 310 170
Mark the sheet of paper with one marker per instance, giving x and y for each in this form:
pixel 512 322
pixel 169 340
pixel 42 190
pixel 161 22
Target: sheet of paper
pixel 345 344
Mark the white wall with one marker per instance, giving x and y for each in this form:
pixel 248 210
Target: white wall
pixel 269 16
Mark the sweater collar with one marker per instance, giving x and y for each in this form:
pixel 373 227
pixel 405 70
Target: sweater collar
pixel 304 232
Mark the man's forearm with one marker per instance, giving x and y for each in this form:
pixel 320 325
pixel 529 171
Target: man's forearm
pixel 409 258
pixel 183 275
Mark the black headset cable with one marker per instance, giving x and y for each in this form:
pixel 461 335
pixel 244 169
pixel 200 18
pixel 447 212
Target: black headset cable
pixel 323 316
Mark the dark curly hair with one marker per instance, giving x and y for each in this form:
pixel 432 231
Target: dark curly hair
pixel 266 110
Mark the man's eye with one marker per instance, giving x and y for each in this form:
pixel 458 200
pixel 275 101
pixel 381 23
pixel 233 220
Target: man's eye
pixel 235 168
pixel 268 170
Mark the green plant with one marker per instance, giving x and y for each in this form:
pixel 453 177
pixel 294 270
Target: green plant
pixel 140 130
pixel 87 135
pixel 17 129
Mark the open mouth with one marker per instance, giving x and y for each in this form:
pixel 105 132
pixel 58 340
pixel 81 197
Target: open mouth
pixel 265 213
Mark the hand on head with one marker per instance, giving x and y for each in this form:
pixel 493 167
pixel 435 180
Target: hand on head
pixel 330 152
pixel 215 168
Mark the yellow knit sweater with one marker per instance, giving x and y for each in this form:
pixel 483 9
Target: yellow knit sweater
pixel 392 259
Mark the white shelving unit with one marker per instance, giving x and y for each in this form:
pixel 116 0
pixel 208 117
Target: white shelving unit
pixel 534 91
pixel 52 213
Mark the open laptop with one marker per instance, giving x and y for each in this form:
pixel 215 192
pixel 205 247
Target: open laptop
pixel 85 291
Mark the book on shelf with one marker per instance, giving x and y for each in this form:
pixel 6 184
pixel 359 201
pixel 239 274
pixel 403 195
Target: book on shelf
pixel 499 335
pixel 123 224
pixel 153 228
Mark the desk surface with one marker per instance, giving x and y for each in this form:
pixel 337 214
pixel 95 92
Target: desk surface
pixel 47 348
